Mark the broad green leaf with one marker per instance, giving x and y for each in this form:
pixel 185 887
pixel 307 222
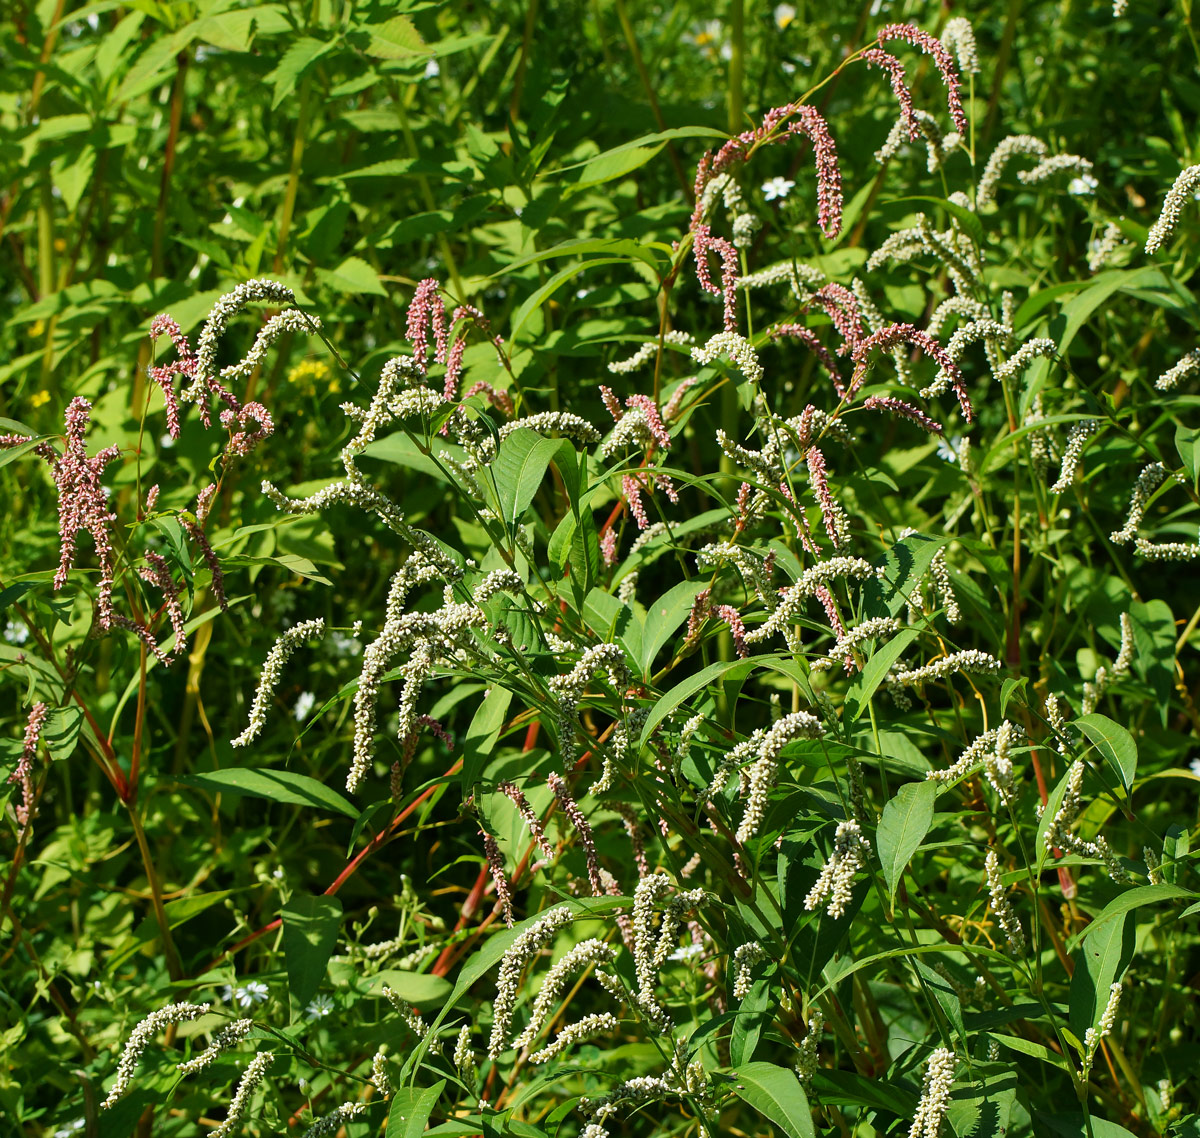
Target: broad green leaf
pixel 1100 961
pixel 686 688
pixel 353 275
pixel 1186 439
pixel 1013 686
pixel 1154 643
pixel 903 567
pixel 310 931
pixel 664 616
pixel 945 995
pixel 614 164
pixel 1114 743
pixel 1061 1124
pixel 1176 843
pixel 74 177
pixel 278 786
pixel 585 558
pixel 61 731
pixel 563 277
pixel 518 470
pixel 755 1012
pixel 1079 310
pixel 644 141
pixel 298 58
pixel 11 454
pixel 396 38
pixel 866 683
pixel 902 828
pixel 777 1095
pixel 482 735
pixel 178 912
pixel 1028 1047
pixel 1134 899
pixel 114 49
pixel 1053 804
pixel 848 1088
pixel 420 989
pixel 410 1110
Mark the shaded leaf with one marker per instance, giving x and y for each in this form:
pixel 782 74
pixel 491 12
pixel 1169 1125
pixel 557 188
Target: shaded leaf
pixel 310 931
pixel 777 1095
pixel 278 786
pixel 902 828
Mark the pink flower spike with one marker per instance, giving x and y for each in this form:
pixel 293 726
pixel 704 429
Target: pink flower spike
pixel 204 502
pixel 164 375
pixel 841 305
pixel 454 369
pixel 82 505
pixel 672 407
pixel 701 607
pixel 876 58
pixel 663 482
pixel 495 862
pixel 631 488
pixel 151 498
pixel 834 526
pixel 829 174
pixel 159 574
pixel 210 558
pixel 244 439
pixel 895 334
pixel 531 820
pixel 799 521
pixel 905 410
pixel 426 308
pixel 501 400
pixel 653 420
pixel 610 401
pixel 941 58
pixel 733 618
pixel 704 243
pixel 23 773
pixel 810 340
pixel 835 621
pixel 608 547
pixel 582 828
pixel 437 730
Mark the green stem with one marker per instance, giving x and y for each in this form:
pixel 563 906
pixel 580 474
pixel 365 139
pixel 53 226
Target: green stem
pixel 174 967
pixel 293 182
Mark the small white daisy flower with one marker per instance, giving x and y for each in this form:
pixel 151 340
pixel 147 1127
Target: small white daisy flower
pixel 776 189
pixel 255 992
pixel 784 15
pixel 319 1007
pixel 304 706
pixel 432 70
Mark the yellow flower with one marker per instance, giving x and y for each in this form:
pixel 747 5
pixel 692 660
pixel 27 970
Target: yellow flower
pixel 784 15
pixel 308 373
pixel 39 398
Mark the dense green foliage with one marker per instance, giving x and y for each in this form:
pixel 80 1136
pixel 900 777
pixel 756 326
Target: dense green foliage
pixel 786 900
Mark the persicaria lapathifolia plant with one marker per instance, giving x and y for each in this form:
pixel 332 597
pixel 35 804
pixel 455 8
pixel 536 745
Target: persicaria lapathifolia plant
pixel 789 696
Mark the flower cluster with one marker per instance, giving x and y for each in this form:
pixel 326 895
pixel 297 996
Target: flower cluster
pixel 141 1035
pixel 836 881
pixel 935 1095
